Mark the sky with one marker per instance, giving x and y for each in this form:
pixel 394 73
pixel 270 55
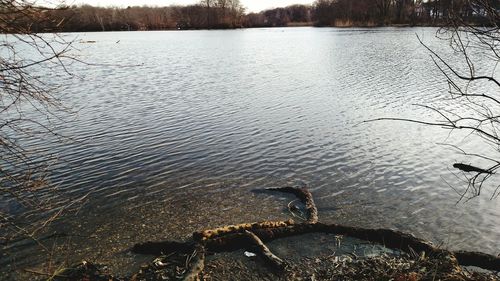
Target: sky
pixel 251 5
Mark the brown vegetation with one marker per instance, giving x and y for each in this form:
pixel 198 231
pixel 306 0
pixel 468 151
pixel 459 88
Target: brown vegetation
pixel 29 108
pixel 207 14
pixel 397 12
pixel 222 14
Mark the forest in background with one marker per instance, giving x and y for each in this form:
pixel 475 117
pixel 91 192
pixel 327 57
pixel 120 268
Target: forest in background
pixel 222 14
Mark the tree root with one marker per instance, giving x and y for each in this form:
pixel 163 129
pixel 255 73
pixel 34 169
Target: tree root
pixel 235 240
pixel 264 251
pixel 478 259
pixel 251 235
pixel 163 247
pixel 198 264
pixel 306 197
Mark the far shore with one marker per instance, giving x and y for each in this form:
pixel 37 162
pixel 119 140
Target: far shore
pixel 262 27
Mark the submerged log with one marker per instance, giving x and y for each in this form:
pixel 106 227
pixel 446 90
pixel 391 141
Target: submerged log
pixel 386 237
pixel 306 197
pixel 478 259
pixel 470 168
pixel 163 248
pixel 231 241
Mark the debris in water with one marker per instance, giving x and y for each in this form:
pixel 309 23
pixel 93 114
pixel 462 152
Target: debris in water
pixel 250 254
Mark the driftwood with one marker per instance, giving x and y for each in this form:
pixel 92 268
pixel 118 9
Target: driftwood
pixel 306 197
pixel 251 235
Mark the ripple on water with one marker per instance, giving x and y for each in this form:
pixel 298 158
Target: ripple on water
pixel 267 108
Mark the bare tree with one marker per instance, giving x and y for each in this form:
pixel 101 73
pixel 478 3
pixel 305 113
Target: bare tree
pixel 473 88
pixel 29 107
pixel 383 7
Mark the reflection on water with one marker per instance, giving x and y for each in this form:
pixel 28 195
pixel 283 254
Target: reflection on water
pixel 208 116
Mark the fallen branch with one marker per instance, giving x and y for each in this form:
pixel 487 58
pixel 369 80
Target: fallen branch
pixel 386 237
pixel 238 228
pixel 232 241
pixel 198 264
pixel 470 168
pixel 263 251
pixel 306 197
pixel 163 247
pixel 478 259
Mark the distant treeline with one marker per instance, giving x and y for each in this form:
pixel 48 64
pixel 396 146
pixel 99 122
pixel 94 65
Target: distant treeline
pixel 209 14
pixel 220 14
pixel 391 12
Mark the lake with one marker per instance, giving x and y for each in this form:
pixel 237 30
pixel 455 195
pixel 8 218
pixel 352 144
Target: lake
pixel 175 129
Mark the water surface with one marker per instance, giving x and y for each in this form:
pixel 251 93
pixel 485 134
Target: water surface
pixel 186 123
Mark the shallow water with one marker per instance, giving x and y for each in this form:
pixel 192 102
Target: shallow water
pixel 200 118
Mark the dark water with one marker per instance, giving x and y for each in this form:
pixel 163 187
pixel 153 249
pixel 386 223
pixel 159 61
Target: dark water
pixel 219 113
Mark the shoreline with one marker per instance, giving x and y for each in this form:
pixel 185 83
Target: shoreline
pixel 255 27
pixel 354 249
